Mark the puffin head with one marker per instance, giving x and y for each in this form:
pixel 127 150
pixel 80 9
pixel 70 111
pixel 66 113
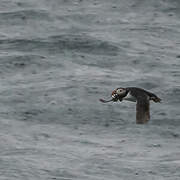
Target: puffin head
pixel 118 94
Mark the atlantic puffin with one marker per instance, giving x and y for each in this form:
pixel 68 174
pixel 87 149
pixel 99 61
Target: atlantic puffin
pixel 142 98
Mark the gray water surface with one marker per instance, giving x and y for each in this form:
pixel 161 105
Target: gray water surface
pixel 57 58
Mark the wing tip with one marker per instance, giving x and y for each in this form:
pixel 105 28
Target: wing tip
pixel 156 99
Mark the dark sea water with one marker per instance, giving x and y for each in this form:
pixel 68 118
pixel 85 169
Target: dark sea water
pixel 57 58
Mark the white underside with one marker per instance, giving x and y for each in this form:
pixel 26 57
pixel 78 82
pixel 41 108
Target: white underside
pixel 129 97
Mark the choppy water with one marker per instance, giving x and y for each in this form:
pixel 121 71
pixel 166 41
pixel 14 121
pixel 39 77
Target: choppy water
pixel 57 58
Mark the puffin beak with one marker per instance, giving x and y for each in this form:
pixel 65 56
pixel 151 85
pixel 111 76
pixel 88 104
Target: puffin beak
pixel 114 96
pixel 114 92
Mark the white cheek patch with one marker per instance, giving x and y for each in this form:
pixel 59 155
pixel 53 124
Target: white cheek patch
pixel 118 91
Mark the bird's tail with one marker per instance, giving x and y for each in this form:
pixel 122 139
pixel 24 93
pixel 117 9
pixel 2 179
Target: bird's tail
pixel 155 99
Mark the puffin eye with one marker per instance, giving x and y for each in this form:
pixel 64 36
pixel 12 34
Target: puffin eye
pixel 119 91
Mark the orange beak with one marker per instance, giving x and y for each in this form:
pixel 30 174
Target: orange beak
pixel 114 92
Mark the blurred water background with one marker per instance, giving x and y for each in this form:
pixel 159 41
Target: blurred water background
pixel 57 58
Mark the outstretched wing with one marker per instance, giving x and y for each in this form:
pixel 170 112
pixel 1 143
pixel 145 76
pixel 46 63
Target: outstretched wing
pixel 142 110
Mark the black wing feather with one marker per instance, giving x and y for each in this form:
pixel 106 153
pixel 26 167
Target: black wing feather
pixel 142 110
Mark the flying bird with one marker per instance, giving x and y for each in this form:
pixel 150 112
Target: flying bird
pixel 140 96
